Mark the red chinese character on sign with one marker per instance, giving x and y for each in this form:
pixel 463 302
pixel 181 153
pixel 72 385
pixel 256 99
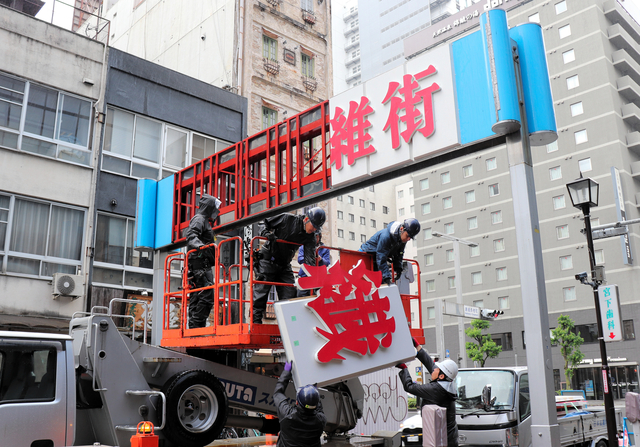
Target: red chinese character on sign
pixel 412 118
pixel 352 311
pixel 350 136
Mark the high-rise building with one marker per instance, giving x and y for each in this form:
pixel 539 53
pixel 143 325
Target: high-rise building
pixel 345 26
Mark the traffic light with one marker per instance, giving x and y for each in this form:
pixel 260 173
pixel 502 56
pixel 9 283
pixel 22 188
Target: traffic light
pixel 490 314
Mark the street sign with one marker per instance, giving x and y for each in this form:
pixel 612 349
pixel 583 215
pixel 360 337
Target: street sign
pixel 610 312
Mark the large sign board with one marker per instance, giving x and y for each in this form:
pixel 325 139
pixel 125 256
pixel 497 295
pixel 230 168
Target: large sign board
pixel 610 312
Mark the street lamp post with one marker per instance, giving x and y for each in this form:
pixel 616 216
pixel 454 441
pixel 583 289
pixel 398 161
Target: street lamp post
pixel 458 281
pixel 584 194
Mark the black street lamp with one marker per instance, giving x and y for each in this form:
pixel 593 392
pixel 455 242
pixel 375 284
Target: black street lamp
pixel 584 194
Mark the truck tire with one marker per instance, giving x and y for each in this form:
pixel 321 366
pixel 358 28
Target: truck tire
pixel 196 408
pixel 602 443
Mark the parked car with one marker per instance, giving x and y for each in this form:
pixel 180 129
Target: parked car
pixel 411 429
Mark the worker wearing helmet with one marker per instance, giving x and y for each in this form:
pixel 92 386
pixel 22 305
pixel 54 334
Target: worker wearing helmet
pixel 275 263
pixel 302 422
pixel 441 391
pixel 388 245
pixel 199 237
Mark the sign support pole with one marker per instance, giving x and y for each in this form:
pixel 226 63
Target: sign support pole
pixel 545 431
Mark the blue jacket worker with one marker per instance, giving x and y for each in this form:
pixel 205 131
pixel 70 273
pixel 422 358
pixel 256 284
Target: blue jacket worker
pixel 324 258
pixel 301 422
pixel 440 391
pixel 388 245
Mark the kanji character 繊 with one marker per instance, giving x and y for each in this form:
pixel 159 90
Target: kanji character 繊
pixel 353 313
pixel 350 136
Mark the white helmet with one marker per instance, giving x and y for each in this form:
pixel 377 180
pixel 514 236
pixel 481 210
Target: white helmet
pixel 449 368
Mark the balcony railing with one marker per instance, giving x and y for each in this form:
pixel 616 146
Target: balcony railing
pixel 274 3
pixel 272 66
pixel 310 83
pixel 308 17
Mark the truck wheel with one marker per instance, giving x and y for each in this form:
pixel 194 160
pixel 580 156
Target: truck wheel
pixel 602 443
pixel 196 408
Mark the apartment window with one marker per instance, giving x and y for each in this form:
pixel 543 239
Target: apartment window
pixel 426 208
pixel 339 198
pixel 269 117
pixel 452 282
pixel 496 217
pixel 448 228
pixel 584 165
pixel 562 231
pixel 363 238
pixel 352 236
pixel 576 109
pixel 44 237
pixel 341 233
pixel 501 274
pixel 566 262
pixel 350 200
pixel 573 82
pixel 476 278
pixel 467 171
pixel 385 210
pixel 373 223
pixel 470 196
pixel 478 303
pixel 445 177
pixel 628 332
pixel 503 339
pixel 55 124
pixel 306 5
pixel 410 190
pixel 568 56
pixel 426 234
pixel 372 206
pixel 494 190
pixel 534 18
pixel 564 31
pixel 428 259
pixel 447 202
pixel 431 286
pixel 474 250
pixel 431 311
pixel 116 263
pixel 599 256
pixel 555 173
pixel 498 245
pixel 401 212
pixel 492 163
pixel 372 188
pixel 472 223
pixel 588 332
pixel 503 302
pixel 569 293
pixel 561 7
pixel 449 255
pixel 269 48
pixel 363 220
pixel 595 221
pixel 412 210
pixel 552 147
pixel 581 136
pixel 400 194
pixel 361 201
pixel 307 66
pixel 352 217
pixel 385 224
pixel 424 184
pixel 340 215
pixel 558 202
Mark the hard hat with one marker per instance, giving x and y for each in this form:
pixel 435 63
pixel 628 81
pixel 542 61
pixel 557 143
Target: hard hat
pixel 308 397
pixel 449 368
pixel 412 227
pixel 317 217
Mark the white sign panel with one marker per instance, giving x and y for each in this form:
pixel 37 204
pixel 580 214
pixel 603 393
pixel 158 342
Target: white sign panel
pixel 610 312
pixel 395 119
pixel 334 338
pixel 472 312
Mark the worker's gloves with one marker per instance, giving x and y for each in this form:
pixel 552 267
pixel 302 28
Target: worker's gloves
pixel 415 342
pixel 398 275
pixel 401 366
pixel 288 366
pixel 271 237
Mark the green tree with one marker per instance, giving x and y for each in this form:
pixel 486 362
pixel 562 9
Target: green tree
pixel 565 336
pixel 484 347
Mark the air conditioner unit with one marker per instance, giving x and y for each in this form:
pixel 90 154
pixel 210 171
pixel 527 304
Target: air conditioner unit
pixel 68 285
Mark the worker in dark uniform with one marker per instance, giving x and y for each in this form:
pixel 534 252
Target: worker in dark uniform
pixel 302 422
pixel 323 258
pixel 199 235
pixel 440 391
pixel 275 262
pixel 388 245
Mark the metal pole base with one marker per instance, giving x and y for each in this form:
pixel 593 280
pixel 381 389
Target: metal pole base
pixel 544 435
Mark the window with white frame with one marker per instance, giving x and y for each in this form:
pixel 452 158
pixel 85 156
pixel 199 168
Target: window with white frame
pixel 339 198
pixel 449 255
pixel 445 177
pixel 478 303
pixel 448 228
pixel 569 293
pixel 412 210
pixel 501 274
pixel 340 233
pixel 363 238
pixel 474 250
pixel 431 311
pixel 491 163
pixel 534 18
pixel 472 223
pixel 595 221
pixel 496 217
pixel 561 7
pixel 476 278
pixel 581 136
pixel 385 209
pixel 40 238
pixel 410 190
pixel 352 236
pixel 467 171
pixel 340 215
pixel 566 262
pixel 350 200
pixel 361 203
pixel 470 196
pixel 352 217
pixel 562 231
pixel 447 203
pixel 555 173
pixel 372 188
pixel 372 206
pixel 452 282
pixel 400 194
pixel 564 31
pixel 584 165
pixel 373 223
pixel 424 184
pixel 431 285
pixel 498 245
pixel 426 234
pixel 401 212
pixel 363 220
pixel 385 224
pixel 503 302
pixel 494 190
pixel 552 147
pixel 576 109
pixel 116 263
pixel 573 82
pixel 426 208
pixel 429 259
pixel 569 56
pixel 599 256
pixel 43 121
pixel 559 202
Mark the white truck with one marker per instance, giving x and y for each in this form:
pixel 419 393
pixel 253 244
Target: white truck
pixel 96 384
pixel 494 408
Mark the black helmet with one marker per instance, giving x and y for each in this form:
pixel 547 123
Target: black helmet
pixel 412 227
pixel 308 397
pixel 317 217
